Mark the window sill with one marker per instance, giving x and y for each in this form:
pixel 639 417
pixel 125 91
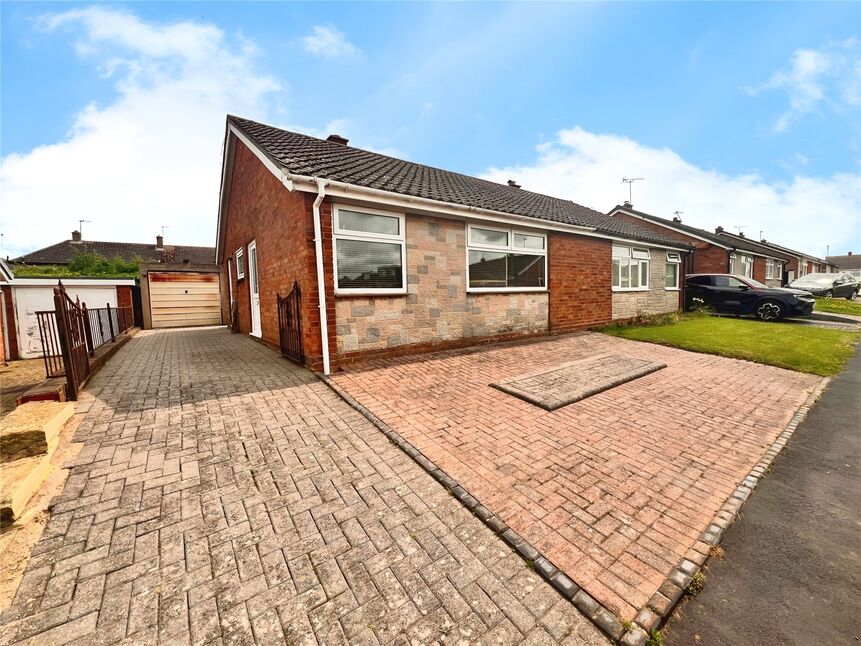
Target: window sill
pixel 369 293
pixel 672 289
pixel 507 290
pixel 630 289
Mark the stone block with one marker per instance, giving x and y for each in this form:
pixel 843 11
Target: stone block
pixel 21 479
pixel 33 429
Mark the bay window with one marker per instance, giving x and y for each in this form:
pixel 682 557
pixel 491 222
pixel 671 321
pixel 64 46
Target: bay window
pixel 671 273
pixel 369 251
pixel 505 260
pixel 630 268
pixel 741 265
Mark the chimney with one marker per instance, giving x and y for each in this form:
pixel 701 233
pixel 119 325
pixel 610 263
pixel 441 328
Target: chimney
pixel 627 203
pixel 76 236
pixel 337 139
pixel 849 254
pixel 718 229
pixel 741 234
pixel 513 184
pixel 764 241
pixel 677 219
pixel 159 242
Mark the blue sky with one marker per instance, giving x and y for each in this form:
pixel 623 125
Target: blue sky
pixel 736 114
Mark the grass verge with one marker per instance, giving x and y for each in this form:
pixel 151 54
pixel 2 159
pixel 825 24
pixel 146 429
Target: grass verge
pixel 837 306
pixel 810 349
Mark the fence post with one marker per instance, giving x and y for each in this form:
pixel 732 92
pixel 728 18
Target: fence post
pixel 88 332
pixel 63 335
pixel 111 324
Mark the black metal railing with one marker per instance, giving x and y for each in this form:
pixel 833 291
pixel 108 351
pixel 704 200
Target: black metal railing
pixel 72 333
pixel 290 324
pixel 51 352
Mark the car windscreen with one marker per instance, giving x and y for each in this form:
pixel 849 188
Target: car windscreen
pixel 754 283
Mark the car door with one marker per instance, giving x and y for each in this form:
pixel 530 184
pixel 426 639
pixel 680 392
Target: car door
pixel 732 295
pixel 698 291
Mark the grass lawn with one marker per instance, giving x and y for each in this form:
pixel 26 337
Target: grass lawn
pixel 837 306
pixel 807 349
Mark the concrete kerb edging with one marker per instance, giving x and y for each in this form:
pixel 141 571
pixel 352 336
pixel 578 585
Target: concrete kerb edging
pixel 663 602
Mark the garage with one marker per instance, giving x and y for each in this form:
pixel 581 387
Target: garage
pixel 183 298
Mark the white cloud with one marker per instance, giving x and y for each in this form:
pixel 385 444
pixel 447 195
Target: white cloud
pixel 327 42
pixel 806 213
pixel 830 75
pixel 150 157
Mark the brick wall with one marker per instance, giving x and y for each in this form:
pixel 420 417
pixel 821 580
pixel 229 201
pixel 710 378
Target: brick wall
pixel 260 208
pixel 759 269
pixel 436 311
pixel 656 300
pixel 580 273
pixel 709 259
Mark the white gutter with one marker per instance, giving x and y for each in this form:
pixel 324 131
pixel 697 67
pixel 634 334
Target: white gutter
pixel 321 279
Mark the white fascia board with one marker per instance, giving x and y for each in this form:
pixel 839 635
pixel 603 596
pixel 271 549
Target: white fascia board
pixel 69 280
pixel 668 226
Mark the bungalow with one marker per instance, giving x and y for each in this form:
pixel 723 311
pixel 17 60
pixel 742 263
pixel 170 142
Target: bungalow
pixel 394 257
pixel 718 252
pixel 801 263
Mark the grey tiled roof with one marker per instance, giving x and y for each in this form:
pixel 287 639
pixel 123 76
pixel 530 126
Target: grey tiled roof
pixel 723 239
pixel 845 262
pixel 304 155
pixel 63 253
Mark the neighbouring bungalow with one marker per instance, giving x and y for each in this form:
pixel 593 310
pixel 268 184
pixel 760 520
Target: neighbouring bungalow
pixel 850 263
pixel 718 251
pixel 801 263
pixel 179 284
pixel 394 257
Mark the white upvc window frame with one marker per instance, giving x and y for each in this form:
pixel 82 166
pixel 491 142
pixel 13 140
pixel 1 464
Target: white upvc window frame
pixel 746 260
pixel 773 269
pixel 240 265
pixel 631 261
pixel 673 258
pixel 509 248
pixel 348 234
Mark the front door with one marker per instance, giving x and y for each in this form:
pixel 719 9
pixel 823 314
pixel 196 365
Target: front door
pixel 254 287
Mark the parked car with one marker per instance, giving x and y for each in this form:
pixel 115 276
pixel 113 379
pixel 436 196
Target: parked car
pixel 742 295
pixel 829 285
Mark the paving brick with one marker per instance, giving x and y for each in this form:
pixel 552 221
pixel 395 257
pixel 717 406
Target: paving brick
pixel 225 495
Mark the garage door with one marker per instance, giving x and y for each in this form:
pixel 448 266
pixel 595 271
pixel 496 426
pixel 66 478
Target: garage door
pixel 179 299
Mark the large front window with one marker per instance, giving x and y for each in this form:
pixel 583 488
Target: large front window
pixel 369 251
pixel 630 268
pixel 773 269
pixel 505 259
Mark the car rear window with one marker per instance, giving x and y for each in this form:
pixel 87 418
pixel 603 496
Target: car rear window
pixel 700 280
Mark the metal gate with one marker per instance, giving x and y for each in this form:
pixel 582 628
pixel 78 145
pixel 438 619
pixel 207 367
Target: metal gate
pixel 290 325
pixel 71 322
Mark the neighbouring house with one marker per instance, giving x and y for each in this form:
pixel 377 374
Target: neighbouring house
pixel 179 284
pixel 800 263
pixel 394 257
pixel 30 295
pixel 850 263
pixel 718 251
pixel 6 278
pixel 64 252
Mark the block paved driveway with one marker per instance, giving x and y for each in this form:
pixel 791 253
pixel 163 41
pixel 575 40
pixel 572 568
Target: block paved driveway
pixel 224 495
pixel 614 489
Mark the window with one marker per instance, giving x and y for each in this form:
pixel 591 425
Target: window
pixel 671 273
pixel 773 269
pixel 741 265
pixel 240 263
pixel 630 268
pixel 504 259
pixel 700 280
pixel 369 251
pixel 728 281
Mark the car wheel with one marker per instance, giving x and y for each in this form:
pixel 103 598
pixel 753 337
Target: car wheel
pixel 852 296
pixel 829 294
pixel 769 311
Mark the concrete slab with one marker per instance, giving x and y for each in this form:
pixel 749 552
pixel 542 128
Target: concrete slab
pixel 32 429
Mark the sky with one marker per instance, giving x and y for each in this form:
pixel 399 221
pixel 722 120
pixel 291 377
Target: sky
pixel 740 115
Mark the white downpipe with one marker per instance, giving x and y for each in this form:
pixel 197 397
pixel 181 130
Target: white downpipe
pixel 321 279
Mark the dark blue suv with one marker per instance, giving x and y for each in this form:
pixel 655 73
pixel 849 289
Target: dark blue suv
pixel 742 295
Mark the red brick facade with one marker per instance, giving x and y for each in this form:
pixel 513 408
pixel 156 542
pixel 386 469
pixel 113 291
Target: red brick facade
pixel 759 269
pixel 580 276
pixel 260 208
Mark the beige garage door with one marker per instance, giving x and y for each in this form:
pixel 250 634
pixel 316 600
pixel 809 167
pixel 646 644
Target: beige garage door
pixel 179 299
